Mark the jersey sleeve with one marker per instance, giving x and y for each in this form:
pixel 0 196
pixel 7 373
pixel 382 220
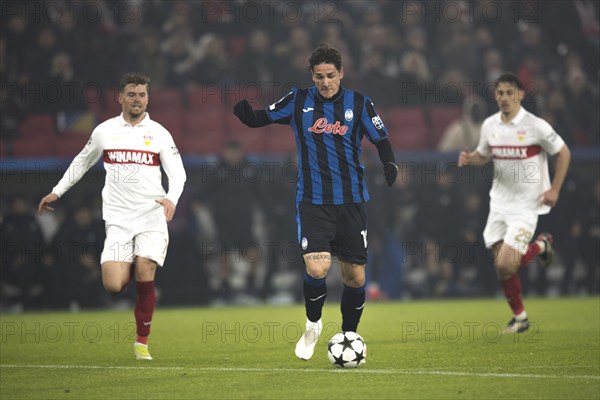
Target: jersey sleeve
pixel 282 110
pixel 483 147
pixel 548 138
pixel 372 123
pixel 173 166
pixel 86 158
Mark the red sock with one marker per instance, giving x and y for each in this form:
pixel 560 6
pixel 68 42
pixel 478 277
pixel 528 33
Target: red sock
pixel 144 308
pixel 532 250
pixel 512 292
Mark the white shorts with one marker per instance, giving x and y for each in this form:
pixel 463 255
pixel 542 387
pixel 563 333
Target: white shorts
pixel 516 230
pixel 124 243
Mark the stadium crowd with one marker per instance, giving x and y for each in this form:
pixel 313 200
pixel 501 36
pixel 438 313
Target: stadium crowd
pixel 406 53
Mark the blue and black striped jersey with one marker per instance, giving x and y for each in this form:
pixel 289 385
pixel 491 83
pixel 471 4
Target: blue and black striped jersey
pixel 328 137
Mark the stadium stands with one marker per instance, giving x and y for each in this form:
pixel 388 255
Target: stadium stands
pixel 440 118
pixel 407 127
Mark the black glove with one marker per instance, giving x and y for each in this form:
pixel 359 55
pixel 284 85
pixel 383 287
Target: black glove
pixel 391 172
pixel 243 110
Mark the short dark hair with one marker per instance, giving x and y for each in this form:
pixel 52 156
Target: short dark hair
pixel 135 78
pixel 511 79
pixel 325 54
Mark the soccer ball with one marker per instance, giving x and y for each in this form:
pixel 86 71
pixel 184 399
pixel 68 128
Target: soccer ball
pixel 347 350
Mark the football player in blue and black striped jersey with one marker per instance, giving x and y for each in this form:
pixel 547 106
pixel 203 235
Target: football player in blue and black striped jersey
pixel 329 123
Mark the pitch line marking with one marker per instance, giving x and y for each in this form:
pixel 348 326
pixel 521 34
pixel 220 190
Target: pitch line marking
pixel 364 371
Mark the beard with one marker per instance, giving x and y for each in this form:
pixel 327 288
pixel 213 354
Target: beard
pixel 135 114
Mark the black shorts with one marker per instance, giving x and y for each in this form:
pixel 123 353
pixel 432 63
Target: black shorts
pixel 337 229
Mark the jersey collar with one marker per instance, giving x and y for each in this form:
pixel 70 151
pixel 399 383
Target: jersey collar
pixel 516 120
pixel 143 122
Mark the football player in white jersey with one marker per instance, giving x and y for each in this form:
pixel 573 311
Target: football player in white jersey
pixel 135 207
pixel 518 142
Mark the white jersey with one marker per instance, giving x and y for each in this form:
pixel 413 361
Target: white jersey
pixel 132 158
pixel 519 150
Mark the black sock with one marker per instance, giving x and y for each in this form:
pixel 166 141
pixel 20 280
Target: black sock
pixel 315 292
pixel 353 303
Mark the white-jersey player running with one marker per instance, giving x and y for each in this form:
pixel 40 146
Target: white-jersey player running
pixel 519 143
pixel 135 207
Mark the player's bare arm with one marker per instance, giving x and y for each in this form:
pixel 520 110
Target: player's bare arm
pixel 563 158
pixel 467 157
pixel 46 200
pixel 168 207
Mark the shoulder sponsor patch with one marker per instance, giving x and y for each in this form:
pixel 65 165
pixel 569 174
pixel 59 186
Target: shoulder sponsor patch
pixel 377 122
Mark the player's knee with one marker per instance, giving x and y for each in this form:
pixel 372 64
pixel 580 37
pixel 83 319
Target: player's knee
pixel 317 273
pixel 354 282
pixel 114 288
pixel 505 269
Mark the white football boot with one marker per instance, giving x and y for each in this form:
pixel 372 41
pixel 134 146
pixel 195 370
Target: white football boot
pixel 141 351
pixel 306 345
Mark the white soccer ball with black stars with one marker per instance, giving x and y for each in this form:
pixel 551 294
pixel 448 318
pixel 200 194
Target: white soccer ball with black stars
pixel 347 350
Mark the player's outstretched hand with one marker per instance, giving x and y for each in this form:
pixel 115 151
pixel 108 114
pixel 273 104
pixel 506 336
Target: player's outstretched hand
pixel 243 110
pixel 169 208
pixel 391 172
pixel 49 198
pixel 464 157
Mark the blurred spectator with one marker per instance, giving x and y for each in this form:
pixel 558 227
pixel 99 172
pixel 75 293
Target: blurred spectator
pixel 464 132
pixel 145 55
pixel 484 40
pixel 292 56
pixel 384 40
pixel 22 277
pixel 41 55
pixel 12 115
pixel 583 243
pixel 493 67
pixel 213 63
pixel 415 77
pixel 180 52
pixel 558 116
pixel 277 193
pixel 256 64
pixel 590 238
pixel 439 200
pixel 475 274
pixel 583 105
pixel 233 200
pixel 79 281
pixel 190 250
pixel 18 38
pixel 395 227
pixel 67 34
pixel 9 65
pixel 459 50
pixel 380 83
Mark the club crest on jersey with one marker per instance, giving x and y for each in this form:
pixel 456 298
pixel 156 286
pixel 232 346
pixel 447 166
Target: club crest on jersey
pixel 349 114
pixel 323 126
pixel 148 139
pixel 521 134
pixel 131 157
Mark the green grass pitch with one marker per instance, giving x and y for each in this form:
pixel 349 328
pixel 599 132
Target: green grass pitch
pixel 416 350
